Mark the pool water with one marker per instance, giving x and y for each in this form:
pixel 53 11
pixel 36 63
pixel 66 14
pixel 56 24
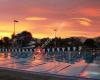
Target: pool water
pixel 51 65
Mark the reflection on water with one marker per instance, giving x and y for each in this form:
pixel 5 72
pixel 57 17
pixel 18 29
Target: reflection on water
pixel 26 61
pixel 84 74
pixel 7 60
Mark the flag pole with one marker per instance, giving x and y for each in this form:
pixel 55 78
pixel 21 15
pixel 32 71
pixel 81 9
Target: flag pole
pixel 15 21
pixel 14 27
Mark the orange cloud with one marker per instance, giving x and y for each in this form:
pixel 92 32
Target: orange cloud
pixel 36 18
pixel 90 11
pixel 83 21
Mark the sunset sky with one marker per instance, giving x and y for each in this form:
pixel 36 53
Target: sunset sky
pixel 41 17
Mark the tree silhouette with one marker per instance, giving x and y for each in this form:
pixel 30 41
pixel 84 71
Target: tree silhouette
pixel 6 42
pixel 90 43
pixel 23 39
pixel 26 37
pixel 1 43
pixel 97 39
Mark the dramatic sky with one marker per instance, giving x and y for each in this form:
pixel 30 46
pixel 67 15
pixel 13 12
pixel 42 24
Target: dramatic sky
pixel 41 17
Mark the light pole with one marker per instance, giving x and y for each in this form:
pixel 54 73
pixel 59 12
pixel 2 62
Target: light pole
pixel 55 30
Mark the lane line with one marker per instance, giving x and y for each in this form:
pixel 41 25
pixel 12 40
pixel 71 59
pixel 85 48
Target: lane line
pixel 51 68
pixel 63 68
pixel 83 69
